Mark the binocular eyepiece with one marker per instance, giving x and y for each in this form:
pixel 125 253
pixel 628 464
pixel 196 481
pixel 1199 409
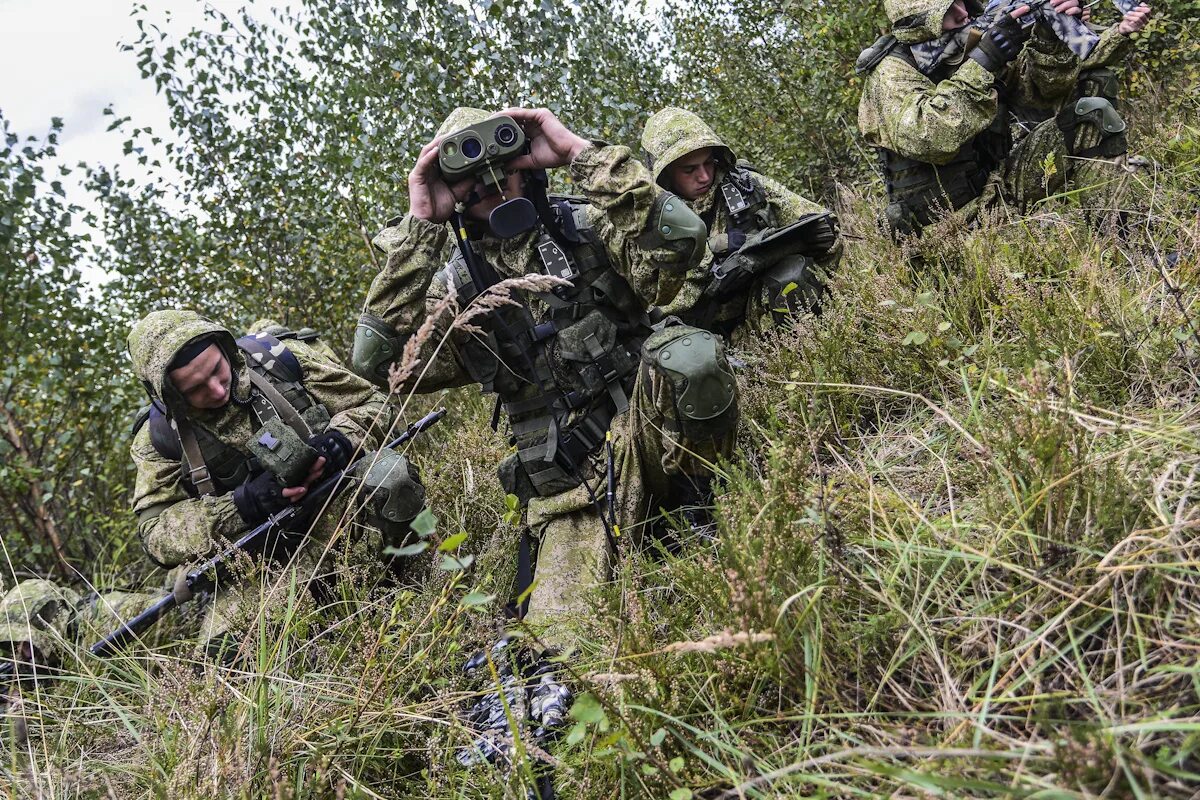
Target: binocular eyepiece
pixel 481 150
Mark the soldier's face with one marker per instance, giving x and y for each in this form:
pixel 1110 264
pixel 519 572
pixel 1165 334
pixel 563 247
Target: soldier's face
pixel 204 381
pixel 692 175
pixel 512 186
pixel 956 17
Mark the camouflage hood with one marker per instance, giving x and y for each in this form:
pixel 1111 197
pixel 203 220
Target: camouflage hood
pixel 39 612
pixel 460 118
pixel 672 133
pixel 916 21
pixel 154 341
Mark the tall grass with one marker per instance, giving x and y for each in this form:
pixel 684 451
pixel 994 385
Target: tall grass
pixel 957 557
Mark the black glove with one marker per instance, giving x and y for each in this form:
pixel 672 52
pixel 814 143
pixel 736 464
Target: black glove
pixel 1001 44
pixel 336 448
pixel 259 498
pixel 737 238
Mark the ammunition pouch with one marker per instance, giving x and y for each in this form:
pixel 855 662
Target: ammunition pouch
pixel 676 229
pixel 281 452
pixel 703 386
pixel 1098 113
pixel 376 346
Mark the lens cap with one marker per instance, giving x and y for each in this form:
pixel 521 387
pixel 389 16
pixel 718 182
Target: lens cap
pixel 512 218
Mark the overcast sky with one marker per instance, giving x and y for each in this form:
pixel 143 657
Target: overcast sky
pixel 61 58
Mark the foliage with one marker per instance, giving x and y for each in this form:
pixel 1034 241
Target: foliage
pixel 63 474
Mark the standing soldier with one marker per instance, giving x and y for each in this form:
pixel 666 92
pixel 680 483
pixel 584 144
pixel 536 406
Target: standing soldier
pixel 940 110
pixel 611 415
pixel 238 431
pixel 774 273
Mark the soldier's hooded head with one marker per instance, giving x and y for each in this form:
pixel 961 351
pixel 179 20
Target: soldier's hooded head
pixel 685 156
pixel 171 347
pixel 935 30
pixel 38 614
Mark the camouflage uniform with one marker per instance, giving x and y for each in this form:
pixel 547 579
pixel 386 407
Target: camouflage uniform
pixel 54 619
pixel 952 136
pixel 673 133
pixel 658 448
pixel 177 523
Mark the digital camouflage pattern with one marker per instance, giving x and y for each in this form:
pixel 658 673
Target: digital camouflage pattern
pixel 651 443
pixel 307 336
pixel 904 111
pixel 55 619
pixel 460 118
pixel 175 527
pixel 673 133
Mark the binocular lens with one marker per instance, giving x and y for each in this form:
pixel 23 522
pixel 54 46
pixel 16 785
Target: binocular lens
pixel 472 147
pixel 506 135
pixel 450 149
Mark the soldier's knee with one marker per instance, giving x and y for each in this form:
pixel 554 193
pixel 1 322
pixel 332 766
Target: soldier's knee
pixel 691 364
pixel 392 489
pixel 1092 128
pixel 376 346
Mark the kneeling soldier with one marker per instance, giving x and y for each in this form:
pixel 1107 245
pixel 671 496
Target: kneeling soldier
pixel 239 430
pixel 773 248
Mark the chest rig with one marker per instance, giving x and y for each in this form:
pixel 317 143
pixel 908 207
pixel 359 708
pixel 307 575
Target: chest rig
pixel 561 363
pixel 210 465
pixel 917 190
pixel 744 200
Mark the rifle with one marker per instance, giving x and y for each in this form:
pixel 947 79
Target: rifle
pixel 1071 31
pixel 811 235
pixel 259 541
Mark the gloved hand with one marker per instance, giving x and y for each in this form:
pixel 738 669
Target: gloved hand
pixel 1001 44
pixel 336 448
pixel 259 498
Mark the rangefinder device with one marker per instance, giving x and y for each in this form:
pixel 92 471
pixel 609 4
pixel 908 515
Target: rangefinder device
pixel 481 150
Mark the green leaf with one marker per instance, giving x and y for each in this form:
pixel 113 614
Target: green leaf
pixel 477 599
pixel 915 337
pixel 424 524
pixel 587 709
pixel 578 731
pixel 452 542
pixel 455 563
pixel 657 737
pixel 682 793
pixel 676 763
pixel 407 550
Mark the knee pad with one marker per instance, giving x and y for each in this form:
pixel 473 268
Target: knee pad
pixel 1099 114
pixel 393 490
pixel 376 346
pixel 693 362
pixel 676 234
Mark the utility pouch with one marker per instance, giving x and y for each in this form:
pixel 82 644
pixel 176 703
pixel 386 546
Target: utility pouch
pixel 282 452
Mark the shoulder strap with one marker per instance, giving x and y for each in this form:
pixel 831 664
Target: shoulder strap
pixel 287 412
pixel 198 472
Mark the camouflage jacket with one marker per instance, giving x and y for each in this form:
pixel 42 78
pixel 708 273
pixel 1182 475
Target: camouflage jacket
pixel 622 202
pixel 175 526
pixel 673 133
pixel 904 111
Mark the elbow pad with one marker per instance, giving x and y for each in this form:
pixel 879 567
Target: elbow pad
pixel 675 231
pixel 376 346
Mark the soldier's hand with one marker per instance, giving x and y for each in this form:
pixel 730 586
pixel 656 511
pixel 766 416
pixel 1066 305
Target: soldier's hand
pixel 551 144
pixel 295 494
pixel 1069 7
pixel 259 498
pixel 429 196
pixel 1135 20
pixel 1003 42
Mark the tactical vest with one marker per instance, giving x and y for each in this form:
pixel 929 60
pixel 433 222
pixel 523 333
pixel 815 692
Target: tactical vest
pixel 563 376
pixel 918 190
pixel 745 201
pixel 209 465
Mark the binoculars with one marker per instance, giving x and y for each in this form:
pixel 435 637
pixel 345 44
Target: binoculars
pixel 481 150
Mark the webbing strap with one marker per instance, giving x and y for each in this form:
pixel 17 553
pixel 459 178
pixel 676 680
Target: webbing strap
pixel 198 472
pixel 287 412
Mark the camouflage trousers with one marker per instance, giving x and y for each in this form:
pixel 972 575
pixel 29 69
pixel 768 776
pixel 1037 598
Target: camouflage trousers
pixel 657 443
pixel 1040 166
